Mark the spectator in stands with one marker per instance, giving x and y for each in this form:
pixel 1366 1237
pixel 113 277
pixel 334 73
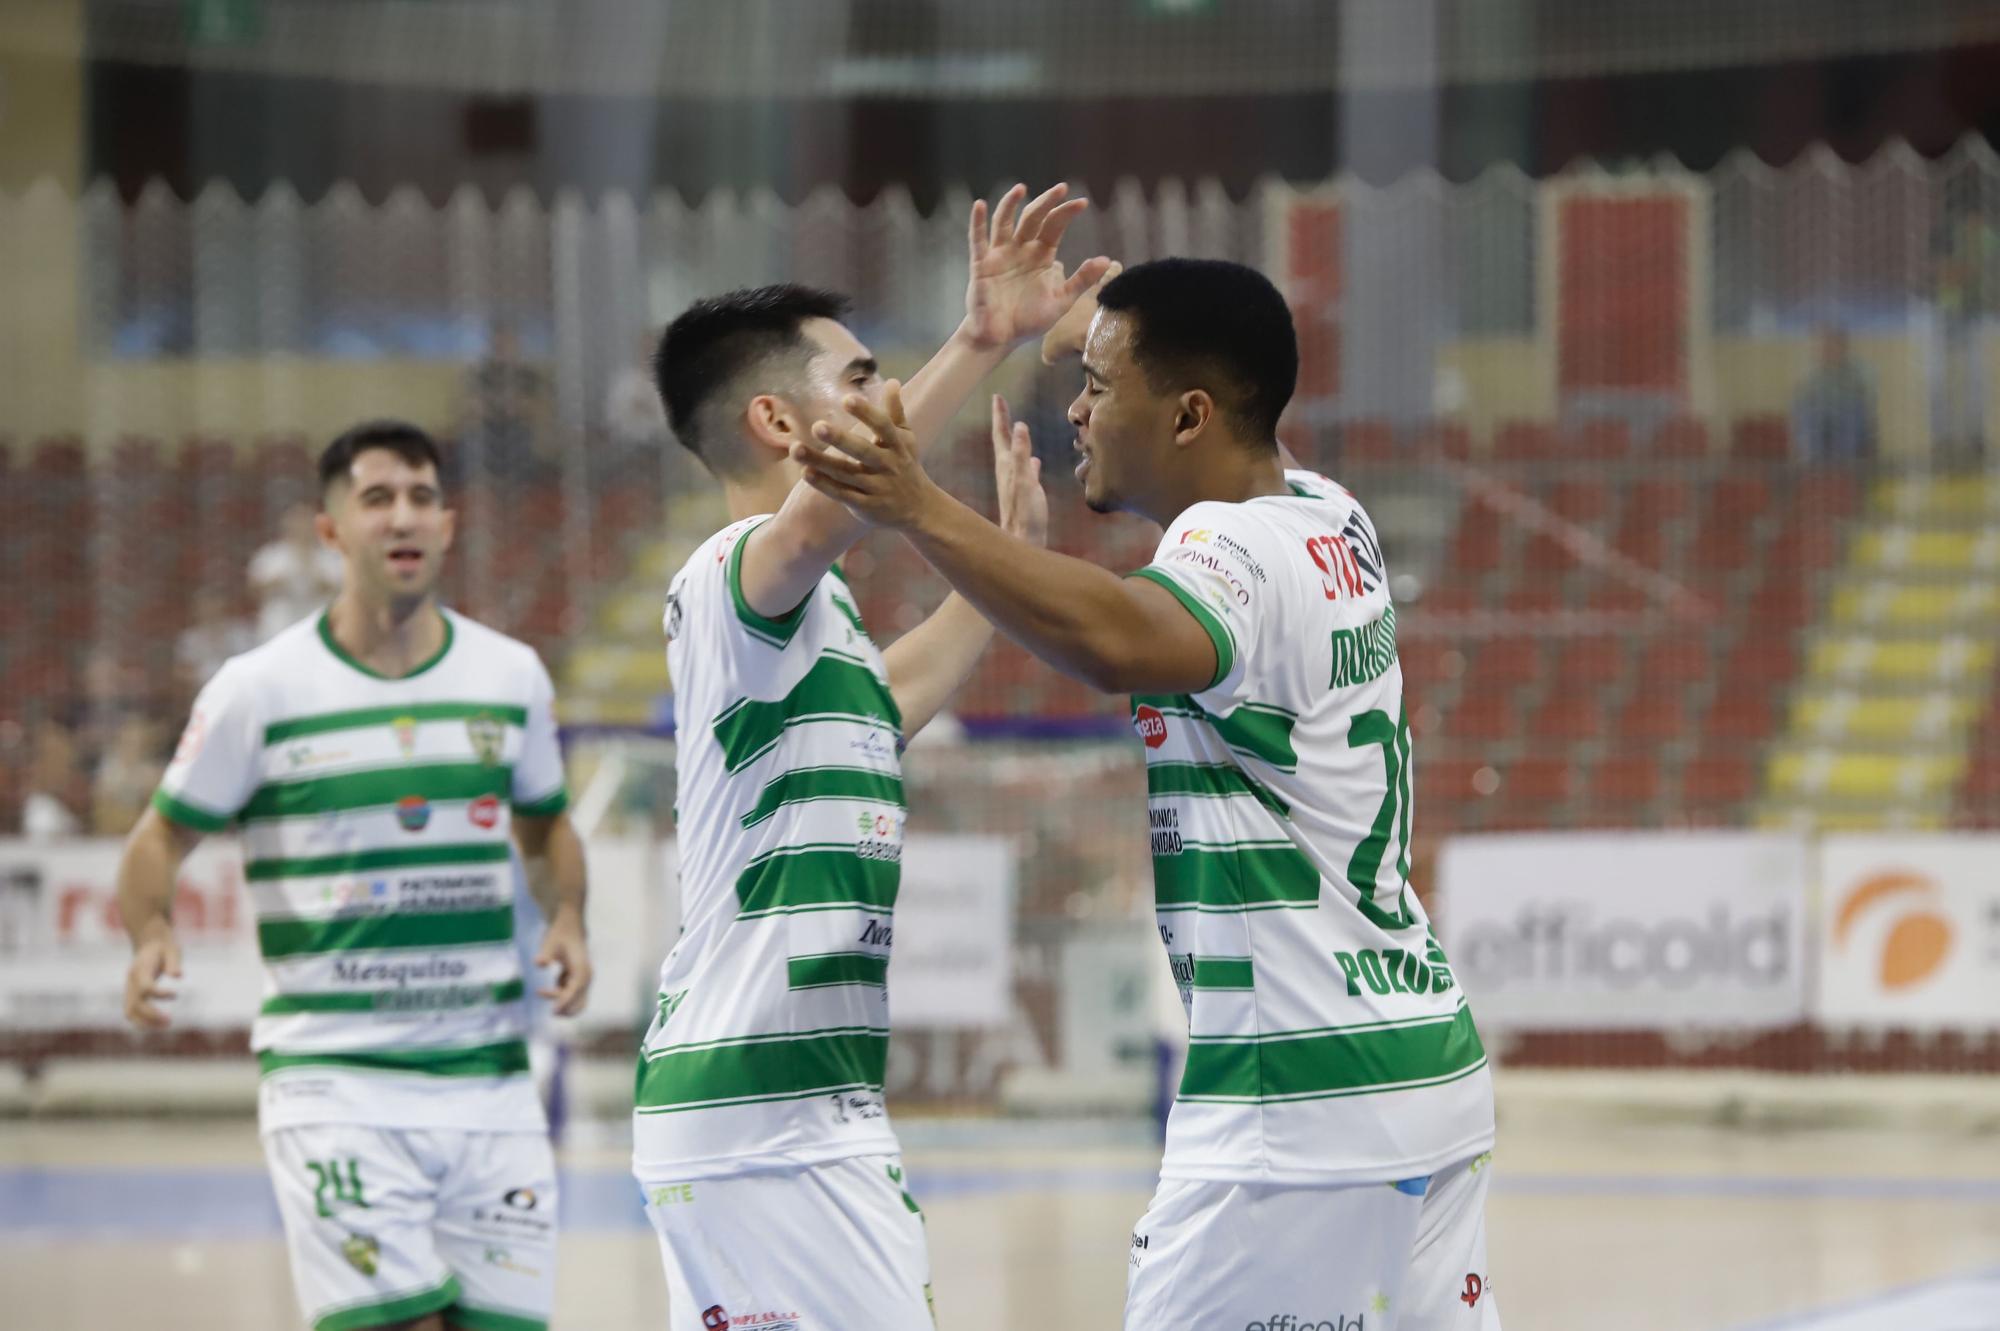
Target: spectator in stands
pixel 1833 414
pixel 294 576
pixel 126 776
pixel 56 787
pixel 1965 267
pixel 214 637
pixel 113 693
pixel 632 410
pixel 508 410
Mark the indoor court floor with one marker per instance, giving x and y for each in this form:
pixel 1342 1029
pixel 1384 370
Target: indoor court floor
pixel 164 1225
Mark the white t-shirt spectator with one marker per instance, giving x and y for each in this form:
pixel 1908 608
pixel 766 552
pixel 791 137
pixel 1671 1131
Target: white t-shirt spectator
pixel 291 584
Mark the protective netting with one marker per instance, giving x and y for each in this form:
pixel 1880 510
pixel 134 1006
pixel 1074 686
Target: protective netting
pixel 1682 478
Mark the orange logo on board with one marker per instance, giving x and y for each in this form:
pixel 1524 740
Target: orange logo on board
pixel 1917 943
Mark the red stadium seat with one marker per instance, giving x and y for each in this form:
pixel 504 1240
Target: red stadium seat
pixel 1653 719
pixel 1589 663
pixel 1476 545
pixel 1507 662
pixel 1598 440
pixel 1761 438
pixel 1524 441
pixel 1367 440
pixel 1581 502
pixel 1483 717
pixel 1713 781
pixel 1538 780
pixel 1672 663
pixel 1568 716
pixel 1741 718
pixel 1681 437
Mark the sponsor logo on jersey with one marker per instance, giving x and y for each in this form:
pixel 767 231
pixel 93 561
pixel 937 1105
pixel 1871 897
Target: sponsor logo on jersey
pixel 354 892
pixel 1296 1322
pixel 363 1253
pixel 1152 726
pixel 873 745
pixel 671 1194
pixel 877 934
pixel 487 735
pixel 1198 535
pixel 413 812
pixel 192 738
pixel 1475 1286
pixel 522 1199
pixel 406 735
pixel 303 754
pixel 504 1260
pixel 1239 591
pixel 485 811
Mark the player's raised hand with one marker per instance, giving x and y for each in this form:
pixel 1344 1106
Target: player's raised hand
pixel 1016 288
pixel 1065 339
pixel 152 961
pixel 870 466
pixel 1017 474
pixel 563 947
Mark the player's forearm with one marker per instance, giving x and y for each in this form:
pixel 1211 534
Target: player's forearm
pixel 930 664
pixel 792 552
pixel 557 878
pixel 147 874
pixel 1072 614
pixel 936 393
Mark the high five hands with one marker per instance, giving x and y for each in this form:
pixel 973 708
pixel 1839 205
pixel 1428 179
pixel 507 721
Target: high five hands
pixel 871 467
pixel 1016 287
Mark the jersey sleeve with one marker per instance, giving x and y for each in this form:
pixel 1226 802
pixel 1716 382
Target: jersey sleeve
pixel 215 769
pixel 540 790
pixel 708 616
pixel 1213 562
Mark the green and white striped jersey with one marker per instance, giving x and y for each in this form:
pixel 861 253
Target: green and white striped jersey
pixel 772 1026
pixel 1328 1039
pixel 375 819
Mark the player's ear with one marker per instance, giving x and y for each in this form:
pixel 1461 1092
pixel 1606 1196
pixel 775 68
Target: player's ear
pixel 1192 414
pixel 450 525
pixel 323 525
pixel 774 423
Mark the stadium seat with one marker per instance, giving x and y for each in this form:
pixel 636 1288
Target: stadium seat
pixel 1568 716
pixel 1760 438
pixel 1589 663
pixel 1367 440
pixel 1682 437
pixel 1581 502
pixel 1506 663
pixel 1600 440
pixel 1524 441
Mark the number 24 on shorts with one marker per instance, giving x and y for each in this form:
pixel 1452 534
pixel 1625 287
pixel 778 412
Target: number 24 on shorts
pixel 345 1190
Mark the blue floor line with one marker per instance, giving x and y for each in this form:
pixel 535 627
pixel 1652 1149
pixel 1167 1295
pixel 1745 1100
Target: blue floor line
pixel 94 1203
pixel 1803 1321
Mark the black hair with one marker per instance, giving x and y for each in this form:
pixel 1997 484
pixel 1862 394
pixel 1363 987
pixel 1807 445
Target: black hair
pixel 405 440
pixel 706 352
pixel 1211 324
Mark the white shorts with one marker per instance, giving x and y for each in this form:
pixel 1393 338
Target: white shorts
pixel 1260 1257
pixel 388 1224
pixel 832 1247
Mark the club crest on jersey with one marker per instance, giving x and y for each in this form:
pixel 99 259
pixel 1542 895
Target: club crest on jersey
pixel 484 812
pixel 486 734
pixel 406 735
pixel 1152 726
pixel 413 812
pixel 363 1253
